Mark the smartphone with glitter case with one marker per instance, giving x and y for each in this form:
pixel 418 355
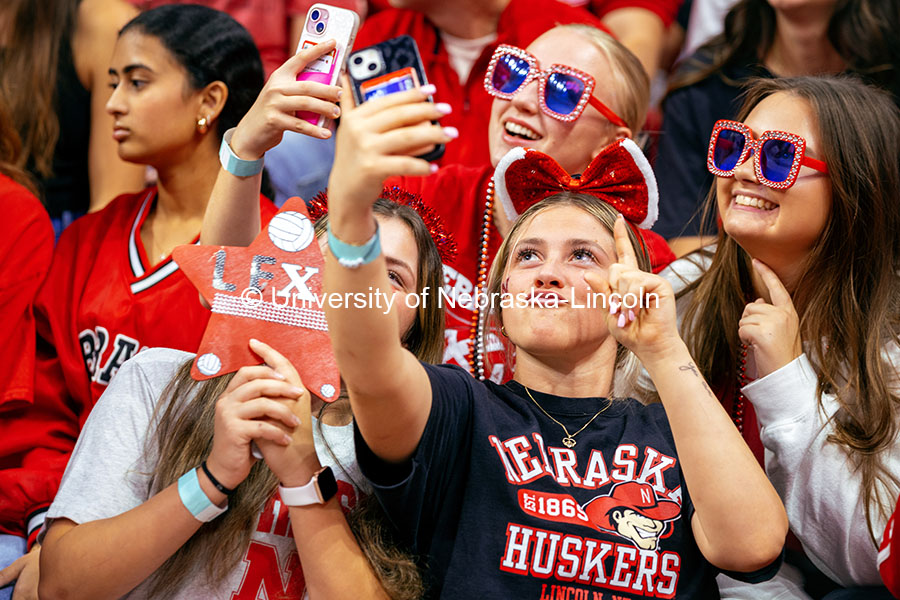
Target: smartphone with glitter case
pixel 323 23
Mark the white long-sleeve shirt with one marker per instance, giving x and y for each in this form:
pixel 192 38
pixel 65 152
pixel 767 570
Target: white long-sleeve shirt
pixel 821 490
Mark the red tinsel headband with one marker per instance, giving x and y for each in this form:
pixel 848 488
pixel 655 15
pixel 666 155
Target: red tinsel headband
pixel 445 243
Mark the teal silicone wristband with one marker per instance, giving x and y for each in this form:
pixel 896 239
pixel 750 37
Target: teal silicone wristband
pixel 233 164
pixel 351 256
pixel 195 499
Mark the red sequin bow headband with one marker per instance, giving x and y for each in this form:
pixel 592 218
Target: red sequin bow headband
pixel 445 243
pixel 620 176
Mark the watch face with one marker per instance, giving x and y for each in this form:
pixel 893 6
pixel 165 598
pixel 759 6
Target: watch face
pixel 327 484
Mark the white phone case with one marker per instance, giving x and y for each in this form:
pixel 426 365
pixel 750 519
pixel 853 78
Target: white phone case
pixel 323 23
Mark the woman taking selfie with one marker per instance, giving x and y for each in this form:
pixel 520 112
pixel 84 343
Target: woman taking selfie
pixel 552 481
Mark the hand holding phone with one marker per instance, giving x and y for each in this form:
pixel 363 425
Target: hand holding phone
pixel 381 138
pixel 275 109
pixel 324 22
pixel 387 68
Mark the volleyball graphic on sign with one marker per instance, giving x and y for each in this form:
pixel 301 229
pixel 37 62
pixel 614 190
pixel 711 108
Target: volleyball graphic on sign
pixel 291 231
pixel 209 364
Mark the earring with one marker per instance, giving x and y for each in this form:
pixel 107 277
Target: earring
pixel 202 125
pixel 503 331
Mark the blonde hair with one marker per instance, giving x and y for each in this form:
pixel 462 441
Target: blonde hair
pixel 627 367
pixel 631 86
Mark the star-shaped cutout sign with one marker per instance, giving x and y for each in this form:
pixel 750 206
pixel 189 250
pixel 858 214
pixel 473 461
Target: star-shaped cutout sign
pixel 272 291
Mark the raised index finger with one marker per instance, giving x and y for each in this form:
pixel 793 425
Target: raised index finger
pixel 777 292
pixel 624 250
pixel 275 360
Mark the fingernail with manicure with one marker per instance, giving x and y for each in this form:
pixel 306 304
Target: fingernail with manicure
pixel 621 322
pixel 433 168
pixel 443 108
pixel 297 391
pixel 428 89
pixel 295 420
pixel 451 132
pixel 337 111
pixel 631 315
pixel 287 439
pixel 340 93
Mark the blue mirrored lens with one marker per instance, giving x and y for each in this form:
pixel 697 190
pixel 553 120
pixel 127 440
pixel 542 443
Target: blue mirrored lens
pixel 729 146
pixel 509 73
pixel 776 159
pixel 563 92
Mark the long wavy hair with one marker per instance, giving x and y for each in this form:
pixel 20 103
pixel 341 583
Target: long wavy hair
pixel 184 434
pixel 862 31
pixel 627 367
pixel 10 150
pixel 848 295
pixel 37 31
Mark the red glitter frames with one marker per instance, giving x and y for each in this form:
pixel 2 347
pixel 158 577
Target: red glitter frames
pixel 778 155
pixel 564 91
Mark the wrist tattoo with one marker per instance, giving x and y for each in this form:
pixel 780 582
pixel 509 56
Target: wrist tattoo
pixel 690 367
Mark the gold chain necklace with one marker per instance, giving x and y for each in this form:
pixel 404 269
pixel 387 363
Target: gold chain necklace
pixel 569 440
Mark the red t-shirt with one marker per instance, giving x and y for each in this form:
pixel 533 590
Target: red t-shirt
pixel 666 10
pixel 520 24
pixel 102 303
pixel 458 194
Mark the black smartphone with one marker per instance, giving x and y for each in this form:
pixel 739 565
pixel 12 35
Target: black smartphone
pixel 386 68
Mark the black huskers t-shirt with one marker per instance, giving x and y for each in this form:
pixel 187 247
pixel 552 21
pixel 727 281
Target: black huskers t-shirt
pixel 503 509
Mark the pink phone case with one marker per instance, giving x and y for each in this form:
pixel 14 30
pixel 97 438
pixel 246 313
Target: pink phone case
pixel 323 23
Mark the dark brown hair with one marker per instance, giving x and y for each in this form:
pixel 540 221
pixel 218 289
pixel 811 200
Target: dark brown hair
pixel 10 150
pixel 848 294
pixel 36 33
pixel 862 31
pixel 211 46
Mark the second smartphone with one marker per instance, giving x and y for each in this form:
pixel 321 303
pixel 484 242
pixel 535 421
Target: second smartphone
pixel 386 68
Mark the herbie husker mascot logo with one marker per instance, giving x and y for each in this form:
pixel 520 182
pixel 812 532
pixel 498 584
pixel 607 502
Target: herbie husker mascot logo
pixel 633 511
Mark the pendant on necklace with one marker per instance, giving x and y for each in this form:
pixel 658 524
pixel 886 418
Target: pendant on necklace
pixel 569 442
